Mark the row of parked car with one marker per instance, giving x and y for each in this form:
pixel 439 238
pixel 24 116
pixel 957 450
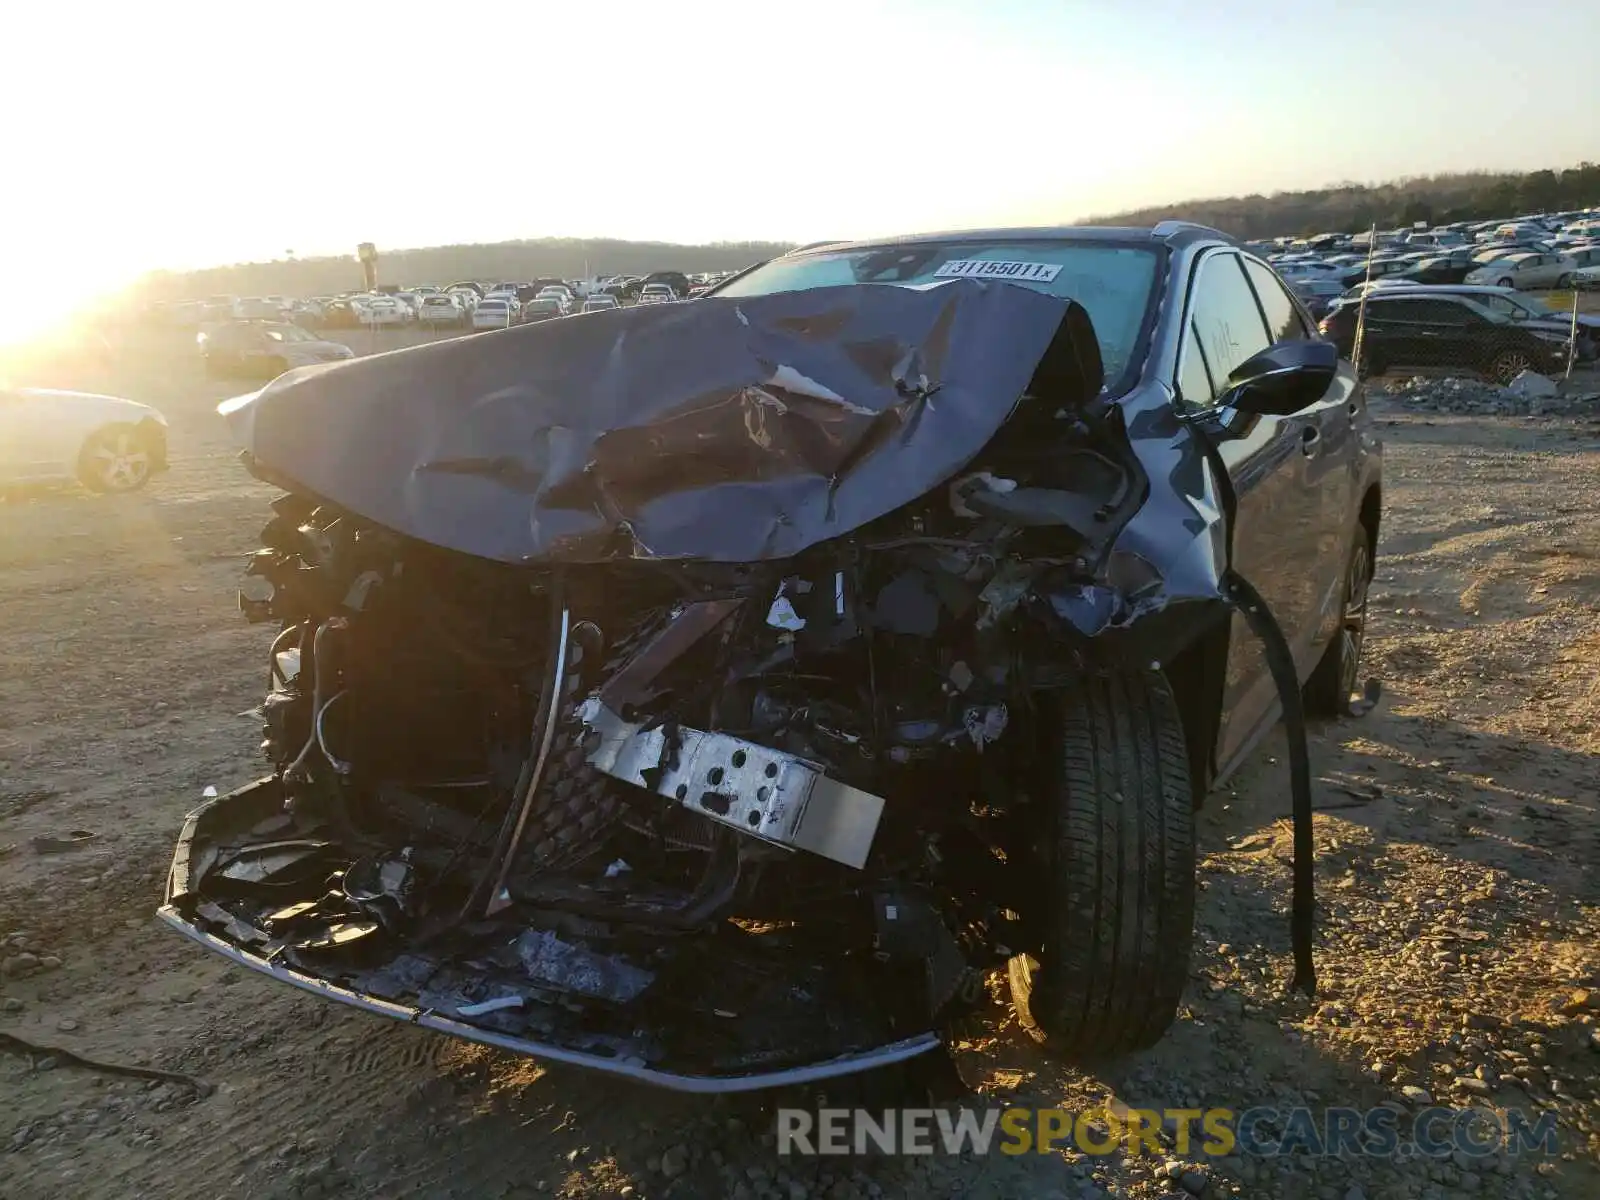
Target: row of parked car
pixel 1453 297
pixel 468 304
pixel 1538 252
pixel 257 346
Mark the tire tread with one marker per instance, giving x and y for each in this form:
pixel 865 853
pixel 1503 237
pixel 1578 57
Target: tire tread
pixel 1122 886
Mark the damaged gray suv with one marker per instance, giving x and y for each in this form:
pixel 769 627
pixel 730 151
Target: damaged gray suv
pixel 714 694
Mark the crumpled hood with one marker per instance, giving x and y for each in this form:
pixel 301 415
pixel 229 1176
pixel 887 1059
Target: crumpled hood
pixel 728 429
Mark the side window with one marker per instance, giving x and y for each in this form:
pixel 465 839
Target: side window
pixel 1441 312
pixel 1194 381
pixel 1412 311
pixel 1283 318
pixel 1224 316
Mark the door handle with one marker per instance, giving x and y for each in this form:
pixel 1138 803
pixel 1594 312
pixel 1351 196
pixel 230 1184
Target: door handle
pixel 1310 440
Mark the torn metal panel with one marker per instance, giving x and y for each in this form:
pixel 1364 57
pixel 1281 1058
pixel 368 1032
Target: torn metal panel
pixel 1180 528
pixel 725 429
pixel 554 963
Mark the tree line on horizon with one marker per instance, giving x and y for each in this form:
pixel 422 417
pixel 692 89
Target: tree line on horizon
pixel 1356 207
pixel 1339 208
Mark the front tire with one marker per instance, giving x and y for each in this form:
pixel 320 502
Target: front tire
pixel 1119 888
pixel 115 459
pixel 1564 282
pixel 1506 283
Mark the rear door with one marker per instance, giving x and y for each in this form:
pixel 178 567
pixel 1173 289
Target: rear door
pixel 1397 337
pixel 1449 331
pixel 1276 542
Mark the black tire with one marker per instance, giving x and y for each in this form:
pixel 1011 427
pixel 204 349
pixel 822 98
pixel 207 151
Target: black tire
pixel 1119 888
pixel 1338 673
pixel 114 459
pixel 1565 282
pixel 1507 283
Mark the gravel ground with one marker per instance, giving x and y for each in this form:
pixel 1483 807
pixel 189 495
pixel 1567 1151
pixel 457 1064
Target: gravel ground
pixel 1458 937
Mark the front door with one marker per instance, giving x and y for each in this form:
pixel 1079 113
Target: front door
pixel 1280 528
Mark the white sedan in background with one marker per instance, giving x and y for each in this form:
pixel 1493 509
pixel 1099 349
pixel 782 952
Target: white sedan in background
pixel 599 302
pixel 381 310
pixel 494 312
pixel 1530 270
pixel 106 443
pixel 438 308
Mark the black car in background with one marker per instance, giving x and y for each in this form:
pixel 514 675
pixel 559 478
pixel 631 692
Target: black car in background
pixel 1528 311
pixel 1447 268
pixel 1412 331
pixel 1382 267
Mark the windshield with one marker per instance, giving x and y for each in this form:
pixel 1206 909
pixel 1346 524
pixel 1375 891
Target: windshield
pixel 1113 282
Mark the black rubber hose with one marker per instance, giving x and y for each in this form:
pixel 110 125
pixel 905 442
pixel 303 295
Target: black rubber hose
pixel 1280 661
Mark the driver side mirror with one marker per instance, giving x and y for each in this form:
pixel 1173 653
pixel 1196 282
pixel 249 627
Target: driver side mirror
pixel 1282 379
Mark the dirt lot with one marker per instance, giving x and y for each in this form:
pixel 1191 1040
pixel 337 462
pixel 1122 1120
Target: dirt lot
pixel 1459 880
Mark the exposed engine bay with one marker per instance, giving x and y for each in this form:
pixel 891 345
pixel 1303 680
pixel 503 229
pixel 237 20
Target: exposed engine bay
pixel 689 730
pixel 555 802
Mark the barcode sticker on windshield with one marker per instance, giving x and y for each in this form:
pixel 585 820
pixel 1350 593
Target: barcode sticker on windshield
pixel 992 268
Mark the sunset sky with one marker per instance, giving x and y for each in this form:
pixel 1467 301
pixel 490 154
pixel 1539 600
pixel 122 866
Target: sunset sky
pixel 179 135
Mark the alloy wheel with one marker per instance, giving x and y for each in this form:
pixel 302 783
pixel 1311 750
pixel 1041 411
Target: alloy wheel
pixel 119 462
pixel 1511 364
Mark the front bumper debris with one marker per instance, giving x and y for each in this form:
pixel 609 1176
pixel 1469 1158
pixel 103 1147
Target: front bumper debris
pixel 881 1056
pixel 489 1015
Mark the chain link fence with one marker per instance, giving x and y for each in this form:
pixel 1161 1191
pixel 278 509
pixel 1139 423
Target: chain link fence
pixel 1494 331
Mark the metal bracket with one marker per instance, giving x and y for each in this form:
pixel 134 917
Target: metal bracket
pixel 766 793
